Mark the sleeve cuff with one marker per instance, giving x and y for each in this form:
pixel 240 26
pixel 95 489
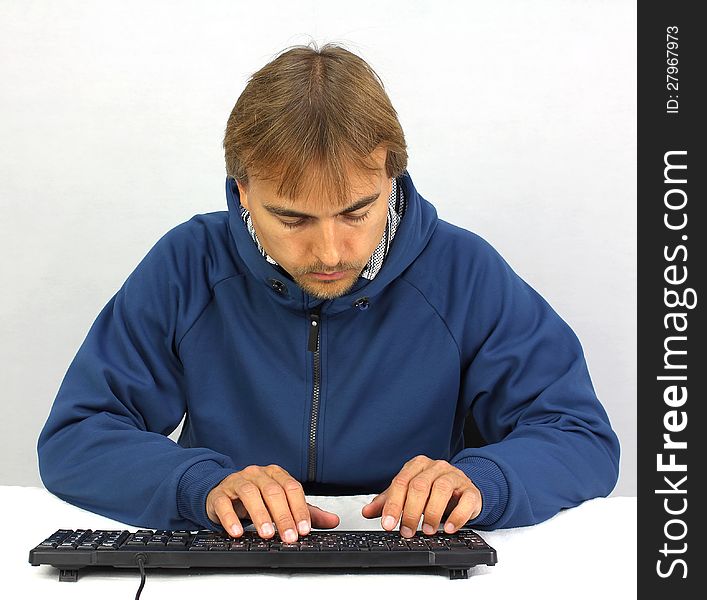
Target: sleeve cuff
pixel 194 485
pixel 488 477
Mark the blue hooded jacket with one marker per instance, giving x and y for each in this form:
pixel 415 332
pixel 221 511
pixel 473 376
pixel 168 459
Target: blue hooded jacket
pixel 206 326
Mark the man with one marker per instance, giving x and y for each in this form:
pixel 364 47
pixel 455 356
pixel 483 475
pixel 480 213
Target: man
pixel 328 334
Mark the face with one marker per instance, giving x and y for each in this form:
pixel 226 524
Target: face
pixel 323 249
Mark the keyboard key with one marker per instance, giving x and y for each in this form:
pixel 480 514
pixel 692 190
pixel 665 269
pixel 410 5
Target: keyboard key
pixel 222 546
pixel 285 547
pixel 240 546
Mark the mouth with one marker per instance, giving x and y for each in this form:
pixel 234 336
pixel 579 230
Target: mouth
pixel 328 276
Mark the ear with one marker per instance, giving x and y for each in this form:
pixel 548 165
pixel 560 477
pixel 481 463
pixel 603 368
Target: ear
pixel 243 193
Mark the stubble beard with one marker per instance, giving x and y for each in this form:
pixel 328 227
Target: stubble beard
pixel 327 290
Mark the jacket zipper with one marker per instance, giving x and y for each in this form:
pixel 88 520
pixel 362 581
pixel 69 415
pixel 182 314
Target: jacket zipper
pixel 313 346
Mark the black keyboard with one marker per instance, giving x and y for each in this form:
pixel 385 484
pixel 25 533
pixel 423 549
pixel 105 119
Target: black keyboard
pixel 70 550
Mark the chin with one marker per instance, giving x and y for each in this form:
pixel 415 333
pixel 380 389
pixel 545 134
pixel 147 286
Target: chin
pixel 328 290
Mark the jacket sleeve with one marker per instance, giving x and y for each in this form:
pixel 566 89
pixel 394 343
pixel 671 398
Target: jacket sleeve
pixel 104 446
pixel 550 445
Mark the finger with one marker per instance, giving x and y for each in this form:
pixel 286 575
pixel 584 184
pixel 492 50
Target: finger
pixel 276 500
pixel 438 502
pixel 250 495
pixel 323 519
pixel 469 507
pixel 398 490
pixel 295 498
pixel 420 490
pixel 452 504
pixel 223 507
pixel 375 507
pixel 418 493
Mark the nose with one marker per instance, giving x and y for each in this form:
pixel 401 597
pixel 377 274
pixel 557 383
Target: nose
pixel 326 245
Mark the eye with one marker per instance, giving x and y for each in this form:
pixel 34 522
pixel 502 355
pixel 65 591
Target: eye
pixel 349 218
pixel 358 218
pixel 293 224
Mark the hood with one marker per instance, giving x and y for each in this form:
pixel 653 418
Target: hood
pixel 412 235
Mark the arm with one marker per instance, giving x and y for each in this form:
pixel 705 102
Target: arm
pixel 104 446
pixel 525 380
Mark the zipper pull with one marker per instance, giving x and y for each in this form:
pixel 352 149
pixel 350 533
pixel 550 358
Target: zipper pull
pixel 313 344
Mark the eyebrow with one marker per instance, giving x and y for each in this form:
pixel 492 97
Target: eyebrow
pixel 286 212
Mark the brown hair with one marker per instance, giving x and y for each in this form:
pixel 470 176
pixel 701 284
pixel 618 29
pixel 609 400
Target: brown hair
pixel 307 116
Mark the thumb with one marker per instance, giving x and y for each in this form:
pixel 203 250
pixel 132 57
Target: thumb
pixel 322 519
pixel 375 507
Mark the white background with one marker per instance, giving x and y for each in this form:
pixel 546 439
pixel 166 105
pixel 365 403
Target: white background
pixel 520 119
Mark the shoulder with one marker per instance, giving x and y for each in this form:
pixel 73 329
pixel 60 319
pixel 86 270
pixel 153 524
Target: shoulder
pixel 200 233
pixel 174 281
pixel 203 244
pixel 185 263
pixel 467 280
pixel 457 253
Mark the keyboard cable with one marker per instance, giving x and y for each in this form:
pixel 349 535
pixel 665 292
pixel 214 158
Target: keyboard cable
pixel 141 558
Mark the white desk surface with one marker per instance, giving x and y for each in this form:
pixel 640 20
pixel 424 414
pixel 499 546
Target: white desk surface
pixel 585 552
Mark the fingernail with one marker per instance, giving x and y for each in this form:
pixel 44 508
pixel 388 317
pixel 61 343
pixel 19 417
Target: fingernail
pixel 303 527
pixel 428 529
pixel 449 527
pixel 406 531
pixel 388 522
pixel 267 529
pixel 236 530
pixel 290 536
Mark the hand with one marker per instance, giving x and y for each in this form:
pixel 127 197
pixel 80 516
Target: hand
pixel 430 487
pixel 265 495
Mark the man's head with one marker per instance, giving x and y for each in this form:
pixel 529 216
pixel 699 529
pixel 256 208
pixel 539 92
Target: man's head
pixel 314 142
